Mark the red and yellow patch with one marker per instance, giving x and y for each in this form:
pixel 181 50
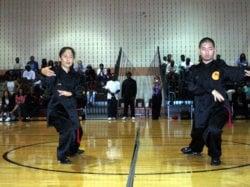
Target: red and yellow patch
pixel 216 75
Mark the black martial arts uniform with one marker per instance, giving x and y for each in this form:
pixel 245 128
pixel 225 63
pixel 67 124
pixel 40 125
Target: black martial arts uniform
pixel 62 113
pixel 210 116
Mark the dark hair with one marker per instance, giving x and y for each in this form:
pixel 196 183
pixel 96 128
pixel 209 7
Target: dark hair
pixel 67 48
pixel 4 93
pixel 27 67
pixel 206 39
pixel 242 57
pixel 128 74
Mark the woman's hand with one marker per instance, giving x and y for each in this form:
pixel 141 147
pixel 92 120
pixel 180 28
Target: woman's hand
pixel 48 72
pixel 64 93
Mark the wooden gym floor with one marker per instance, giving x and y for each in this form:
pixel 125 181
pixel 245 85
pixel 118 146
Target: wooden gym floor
pixel 143 153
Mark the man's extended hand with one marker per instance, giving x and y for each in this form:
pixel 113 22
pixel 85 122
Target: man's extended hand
pixel 217 96
pixel 247 73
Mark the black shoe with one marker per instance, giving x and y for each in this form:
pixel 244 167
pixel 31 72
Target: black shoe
pixel 80 151
pixel 215 161
pixel 189 151
pixel 65 161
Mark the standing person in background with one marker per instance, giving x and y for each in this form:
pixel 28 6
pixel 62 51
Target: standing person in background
pixel 156 98
pixel 65 87
pixel 113 88
pixel 129 90
pixel 206 81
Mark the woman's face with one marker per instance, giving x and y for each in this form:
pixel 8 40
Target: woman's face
pixel 67 59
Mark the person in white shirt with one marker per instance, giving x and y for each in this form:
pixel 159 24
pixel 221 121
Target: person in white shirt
pixel 182 63
pixel 113 88
pixel 29 74
pixel 102 75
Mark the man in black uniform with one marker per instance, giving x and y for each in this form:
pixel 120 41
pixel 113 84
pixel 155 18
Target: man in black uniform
pixel 207 83
pixel 129 89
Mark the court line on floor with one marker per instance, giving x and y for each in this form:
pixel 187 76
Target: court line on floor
pixel 130 181
pixel 5 157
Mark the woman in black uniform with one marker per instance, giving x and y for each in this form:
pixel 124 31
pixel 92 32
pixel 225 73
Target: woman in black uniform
pixel 64 84
pixel 207 83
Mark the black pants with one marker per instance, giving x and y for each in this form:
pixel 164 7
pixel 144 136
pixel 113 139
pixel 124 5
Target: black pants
pixel 210 134
pixel 156 106
pixel 112 108
pixel 67 136
pixel 131 103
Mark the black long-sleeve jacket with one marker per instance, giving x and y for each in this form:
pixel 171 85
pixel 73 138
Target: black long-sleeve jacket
pixel 203 79
pixel 129 88
pixel 67 82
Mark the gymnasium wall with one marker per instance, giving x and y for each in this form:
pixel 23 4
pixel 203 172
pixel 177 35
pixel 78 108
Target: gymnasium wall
pixel 97 28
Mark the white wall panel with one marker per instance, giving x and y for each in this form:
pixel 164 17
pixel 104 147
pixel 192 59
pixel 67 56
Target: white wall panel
pixel 97 28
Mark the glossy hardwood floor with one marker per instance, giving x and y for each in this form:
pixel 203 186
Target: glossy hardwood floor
pixel 29 159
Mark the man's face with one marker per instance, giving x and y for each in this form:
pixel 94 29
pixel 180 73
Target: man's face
pixel 207 52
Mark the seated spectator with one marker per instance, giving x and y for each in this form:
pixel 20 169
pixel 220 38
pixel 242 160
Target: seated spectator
pixel 29 74
pixel 17 65
pixel 218 58
pixel 188 64
pixel 102 75
pixel 19 103
pixel 90 75
pixel 182 63
pixel 80 67
pixel 7 106
pixel 242 61
pixel 33 64
pixel 44 63
pixel 171 68
pixel 11 84
pixel 168 63
pixel 51 63
pixel 109 74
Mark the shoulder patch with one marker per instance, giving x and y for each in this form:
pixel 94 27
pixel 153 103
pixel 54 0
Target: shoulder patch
pixel 216 75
